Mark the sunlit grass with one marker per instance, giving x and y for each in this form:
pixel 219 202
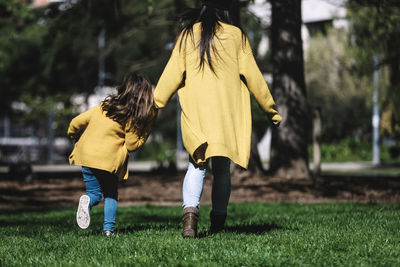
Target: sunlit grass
pixel 257 235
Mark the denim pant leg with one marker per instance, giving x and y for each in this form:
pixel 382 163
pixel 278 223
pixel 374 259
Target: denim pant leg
pixel 193 185
pixel 93 189
pixel 109 186
pixel 221 189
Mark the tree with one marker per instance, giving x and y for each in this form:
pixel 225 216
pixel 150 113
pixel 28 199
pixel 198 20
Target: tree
pixel 375 31
pixel 20 40
pixel 289 157
pixel 334 86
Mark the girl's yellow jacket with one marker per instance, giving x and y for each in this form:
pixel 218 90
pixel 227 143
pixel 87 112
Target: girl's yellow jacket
pixel 104 144
pixel 216 113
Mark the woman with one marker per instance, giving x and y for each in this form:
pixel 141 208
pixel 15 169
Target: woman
pixel 213 67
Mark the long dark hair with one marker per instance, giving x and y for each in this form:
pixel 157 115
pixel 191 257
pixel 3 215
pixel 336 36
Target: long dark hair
pixel 132 104
pixel 210 15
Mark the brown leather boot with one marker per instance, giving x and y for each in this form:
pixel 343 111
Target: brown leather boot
pixel 190 216
pixel 217 222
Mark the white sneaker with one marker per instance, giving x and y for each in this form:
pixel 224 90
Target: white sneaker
pixel 82 215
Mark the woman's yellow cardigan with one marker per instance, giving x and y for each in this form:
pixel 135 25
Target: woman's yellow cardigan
pixel 216 112
pixel 104 144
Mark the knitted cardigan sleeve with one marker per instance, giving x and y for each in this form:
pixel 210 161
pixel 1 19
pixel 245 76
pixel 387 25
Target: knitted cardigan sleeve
pixel 79 123
pixel 172 76
pixel 255 81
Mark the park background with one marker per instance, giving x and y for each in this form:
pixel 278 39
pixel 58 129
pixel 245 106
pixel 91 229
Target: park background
pixel 333 67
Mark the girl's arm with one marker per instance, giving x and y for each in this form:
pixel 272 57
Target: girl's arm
pixel 133 142
pixel 172 76
pixel 256 83
pixel 78 123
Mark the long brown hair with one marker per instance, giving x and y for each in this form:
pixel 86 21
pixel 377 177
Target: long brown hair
pixel 211 14
pixel 132 105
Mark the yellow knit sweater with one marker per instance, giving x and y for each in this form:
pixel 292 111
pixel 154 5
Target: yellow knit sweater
pixel 216 113
pixel 104 143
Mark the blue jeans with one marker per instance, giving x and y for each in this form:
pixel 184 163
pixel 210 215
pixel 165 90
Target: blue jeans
pixel 98 183
pixel 221 189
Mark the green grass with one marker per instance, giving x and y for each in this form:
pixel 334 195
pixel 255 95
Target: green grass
pixel 352 149
pixel 276 234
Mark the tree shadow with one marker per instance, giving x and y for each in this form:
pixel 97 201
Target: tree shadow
pixel 282 186
pixel 332 185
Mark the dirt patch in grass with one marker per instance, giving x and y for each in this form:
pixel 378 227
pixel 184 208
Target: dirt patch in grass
pixel 165 189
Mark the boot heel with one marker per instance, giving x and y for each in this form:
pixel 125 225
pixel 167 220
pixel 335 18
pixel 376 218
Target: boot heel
pixel 190 216
pixel 217 222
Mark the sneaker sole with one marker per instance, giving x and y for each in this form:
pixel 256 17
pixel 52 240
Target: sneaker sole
pixel 82 215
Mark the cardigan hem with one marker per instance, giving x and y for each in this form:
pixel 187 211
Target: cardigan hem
pixel 220 150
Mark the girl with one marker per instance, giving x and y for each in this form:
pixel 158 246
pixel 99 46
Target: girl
pixel 119 125
pixel 213 67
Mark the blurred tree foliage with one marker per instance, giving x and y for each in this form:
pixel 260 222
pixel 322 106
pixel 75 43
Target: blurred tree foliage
pixel 376 31
pixel 47 54
pixel 20 51
pixel 334 86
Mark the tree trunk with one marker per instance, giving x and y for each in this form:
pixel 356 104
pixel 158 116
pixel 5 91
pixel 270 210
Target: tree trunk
pixel 317 142
pixel 255 167
pixel 289 156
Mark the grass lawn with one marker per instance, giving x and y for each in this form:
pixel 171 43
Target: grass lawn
pixel 257 235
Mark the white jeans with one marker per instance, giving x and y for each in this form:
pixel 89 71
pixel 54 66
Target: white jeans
pixel 221 189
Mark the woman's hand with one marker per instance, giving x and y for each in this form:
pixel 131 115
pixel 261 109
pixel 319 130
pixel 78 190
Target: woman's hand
pixel 276 123
pixel 75 137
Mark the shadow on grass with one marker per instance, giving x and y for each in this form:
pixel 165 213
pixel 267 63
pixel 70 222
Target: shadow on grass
pixel 139 217
pixel 256 229
pixel 147 226
pixel 142 220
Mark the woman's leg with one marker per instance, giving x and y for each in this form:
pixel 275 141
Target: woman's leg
pixel 221 189
pixel 221 192
pixel 109 186
pixel 193 185
pixel 192 190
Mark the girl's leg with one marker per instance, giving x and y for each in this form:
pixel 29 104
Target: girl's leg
pixel 93 189
pixel 110 213
pixel 221 189
pixel 109 185
pixel 193 185
pixel 92 197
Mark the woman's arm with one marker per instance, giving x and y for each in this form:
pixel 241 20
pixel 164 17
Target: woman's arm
pixel 256 83
pixel 172 76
